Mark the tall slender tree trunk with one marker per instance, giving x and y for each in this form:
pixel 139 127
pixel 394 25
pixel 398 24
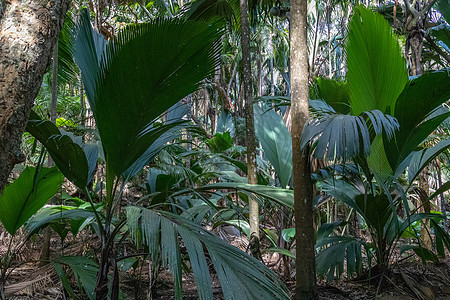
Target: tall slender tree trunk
pixel 441 197
pixel 54 84
pixel 28 32
pixel 250 123
pixel 47 236
pixel 305 256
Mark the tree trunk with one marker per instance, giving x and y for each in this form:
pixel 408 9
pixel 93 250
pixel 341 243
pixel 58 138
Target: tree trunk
pixel 47 233
pixel 249 118
pixel 425 229
pixel 28 32
pixel 305 256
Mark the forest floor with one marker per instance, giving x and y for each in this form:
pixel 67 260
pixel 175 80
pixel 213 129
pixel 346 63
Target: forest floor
pixel 409 279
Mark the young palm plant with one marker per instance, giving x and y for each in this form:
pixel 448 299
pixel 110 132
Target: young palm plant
pixel 129 83
pixel 401 114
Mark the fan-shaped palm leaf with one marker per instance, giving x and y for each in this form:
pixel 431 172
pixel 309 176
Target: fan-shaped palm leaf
pixel 208 9
pixel 241 276
pixel 279 195
pixel 146 70
pixel 376 69
pixel 345 136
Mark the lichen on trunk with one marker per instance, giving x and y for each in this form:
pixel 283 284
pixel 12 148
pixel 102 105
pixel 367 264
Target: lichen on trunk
pixel 28 32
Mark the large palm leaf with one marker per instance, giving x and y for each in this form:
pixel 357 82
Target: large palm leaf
pixel 276 142
pixel 143 72
pixel 342 137
pixel 241 276
pixel 376 69
pixel 67 155
pixel 418 100
pixel 374 59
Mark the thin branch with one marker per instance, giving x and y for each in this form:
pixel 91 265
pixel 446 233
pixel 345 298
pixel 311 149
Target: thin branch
pixel 145 10
pixel 232 78
pixel 437 49
pixel 411 7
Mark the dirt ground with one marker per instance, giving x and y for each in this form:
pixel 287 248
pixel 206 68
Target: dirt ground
pixel 409 279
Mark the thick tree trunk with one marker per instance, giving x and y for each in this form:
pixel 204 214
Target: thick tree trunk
pixel 249 123
pixel 305 257
pixel 28 32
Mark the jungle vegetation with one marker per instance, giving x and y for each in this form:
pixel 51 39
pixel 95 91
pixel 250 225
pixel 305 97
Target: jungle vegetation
pixel 258 146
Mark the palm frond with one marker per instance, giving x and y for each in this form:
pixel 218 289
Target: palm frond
pixel 279 195
pixel 334 93
pixel 276 142
pixel 341 137
pixel 67 69
pixel 421 159
pixel 418 100
pixel 340 249
pixel 88 50
pixel 376 69
pixel 144 71
pixel 241 276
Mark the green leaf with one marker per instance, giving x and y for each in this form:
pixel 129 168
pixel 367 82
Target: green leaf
pixel 341 137
pixel 241 276
pixel 424 253
pixel 26 195
pixel 327 228
pixel 411 111
pixel 53 214
pixel 170 254
pixel 279 195
pixel 67 155
pixel 198 263
pixel 444 7
pixel 376 69
pixel 330 261
pixel 84 269
pixel 225 123
pixel 210 9
pixel 442 34
pixel 376 210
pixel 241 225
pixel 422 158
pixel 91 152
pixel 282 251
pixel 288 234
pixel 445 187
pixel 442 238
pixel 334 93
pixel 341 190
pixel 64 280
pixel 88 49
pixel 276 142
pixel 220 142
pixel 67 70
pixel 138 81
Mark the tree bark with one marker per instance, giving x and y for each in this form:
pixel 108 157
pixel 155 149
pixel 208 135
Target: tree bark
pixel 305 256
pixel 249 119
pixel 28 32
